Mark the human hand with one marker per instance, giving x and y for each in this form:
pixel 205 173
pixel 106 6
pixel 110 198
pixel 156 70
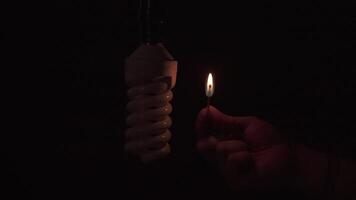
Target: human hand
pixel 248 151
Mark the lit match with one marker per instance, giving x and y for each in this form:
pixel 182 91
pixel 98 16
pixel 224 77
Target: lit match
pixel 209 90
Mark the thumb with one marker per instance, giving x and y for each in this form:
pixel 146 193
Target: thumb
pixel 211 120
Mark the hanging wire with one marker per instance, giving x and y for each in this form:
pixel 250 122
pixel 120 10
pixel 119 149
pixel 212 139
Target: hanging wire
pixel 148 22
pixel 139 19
pixel 144 19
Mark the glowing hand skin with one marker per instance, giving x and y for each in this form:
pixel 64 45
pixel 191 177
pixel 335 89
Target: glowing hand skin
pixel 249 152
pixel 148 122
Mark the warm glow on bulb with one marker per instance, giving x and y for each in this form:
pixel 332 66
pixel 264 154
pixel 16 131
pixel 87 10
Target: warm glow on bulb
pixel 209 91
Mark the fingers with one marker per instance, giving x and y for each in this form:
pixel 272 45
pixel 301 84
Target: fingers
pixel 207 147
pixel 225 148
pixel 219 151
pixel 212 120
pixel 232 158
pixel 238 170
pixel 239 163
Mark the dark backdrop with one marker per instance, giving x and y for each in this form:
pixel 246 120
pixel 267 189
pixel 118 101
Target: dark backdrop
pixel 288 63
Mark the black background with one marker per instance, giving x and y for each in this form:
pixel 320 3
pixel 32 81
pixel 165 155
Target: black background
pixel 288 63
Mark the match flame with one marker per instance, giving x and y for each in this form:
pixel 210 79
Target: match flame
pixel 209 91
